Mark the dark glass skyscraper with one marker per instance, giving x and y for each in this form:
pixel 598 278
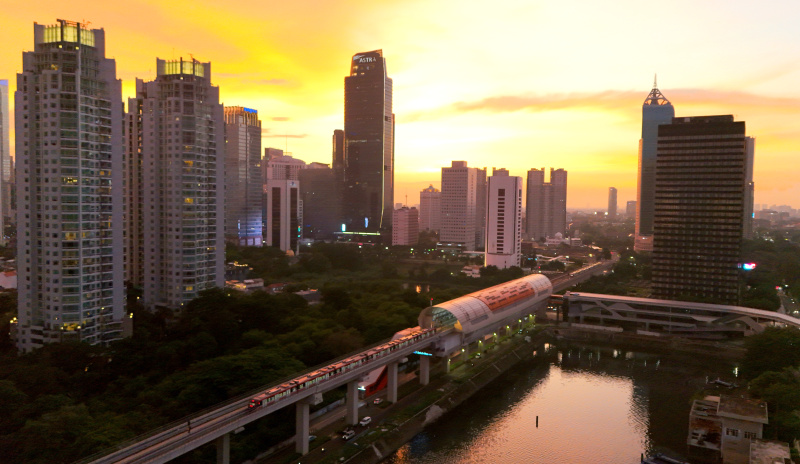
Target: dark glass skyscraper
pixel 656 110
pixel 243 181
pixel 700 195
pixel 368 145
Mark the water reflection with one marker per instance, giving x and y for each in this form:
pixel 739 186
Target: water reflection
pixel 593 405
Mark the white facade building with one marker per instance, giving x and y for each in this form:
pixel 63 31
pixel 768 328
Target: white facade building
pixel 503 220
pixel 176 146
pixel 69 147
pixel 405 226
pixel 282 204
pixel 283 213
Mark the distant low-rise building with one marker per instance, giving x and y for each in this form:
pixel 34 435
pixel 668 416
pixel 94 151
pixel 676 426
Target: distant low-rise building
pixel 472 271
pixel 247 285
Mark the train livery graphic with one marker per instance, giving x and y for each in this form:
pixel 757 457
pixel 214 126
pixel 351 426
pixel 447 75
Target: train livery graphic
pixel 345 365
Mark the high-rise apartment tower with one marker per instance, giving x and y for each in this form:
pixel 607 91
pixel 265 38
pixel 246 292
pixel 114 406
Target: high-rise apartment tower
pixel 68 118
pixel 5 160
pixel 368 145
pixel 176 147
pixel 430 209
pixel 700 191
pixel 503 220
pixel 656 110
pixel 630 209
pixel 243 182
pixel 546 205
pixel 612 203
pixel 459 206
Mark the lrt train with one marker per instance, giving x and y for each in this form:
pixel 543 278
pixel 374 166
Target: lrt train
pixel 332 370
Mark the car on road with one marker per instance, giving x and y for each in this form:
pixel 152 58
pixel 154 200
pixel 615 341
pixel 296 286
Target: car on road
pixel 377 401
pixel 312 437
pixel 365 421
pixel 348 434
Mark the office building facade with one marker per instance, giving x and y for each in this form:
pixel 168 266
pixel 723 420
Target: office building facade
pixel 700 190
pixel 283 214
pixel 320 191
pixel 504 220
pixel 282 206
pixel 480 208
pixel 337 152
pixel 656 110
pixel 368 145
pixel 430 209
pixel 243 182
pixel 459 206
pixel 405 226
pixel 546 204
pixel 176 147
pixel 612 203
pixel 630 209
pixel 749 192
pixel 5 160
pixel 68 121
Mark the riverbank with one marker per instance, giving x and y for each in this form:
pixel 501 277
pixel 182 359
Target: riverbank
pixel 463 383
pixel 729 349
pixel 419 406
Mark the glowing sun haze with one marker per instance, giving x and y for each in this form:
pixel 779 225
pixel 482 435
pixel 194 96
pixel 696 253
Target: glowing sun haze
pixel 514 84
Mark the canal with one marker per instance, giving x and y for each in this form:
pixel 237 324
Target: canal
pixel 572 404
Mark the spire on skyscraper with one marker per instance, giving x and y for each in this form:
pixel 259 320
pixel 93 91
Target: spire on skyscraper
pixel 655 97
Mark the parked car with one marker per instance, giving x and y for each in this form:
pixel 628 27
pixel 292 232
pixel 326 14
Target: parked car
pixel 348 434
pixel 365 421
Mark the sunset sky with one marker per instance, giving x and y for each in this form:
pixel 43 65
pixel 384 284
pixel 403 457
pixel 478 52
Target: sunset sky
pixel 514 84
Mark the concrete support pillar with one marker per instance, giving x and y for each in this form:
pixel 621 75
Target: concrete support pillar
pixel 351 416
pixel 391 387
pixel 224 449
pixel 301 427
pixel 424 370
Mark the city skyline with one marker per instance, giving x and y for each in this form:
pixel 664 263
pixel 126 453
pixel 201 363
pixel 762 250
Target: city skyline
pixel 462 96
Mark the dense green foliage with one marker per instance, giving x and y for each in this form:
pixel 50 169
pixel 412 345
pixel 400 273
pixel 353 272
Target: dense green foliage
pixel 617 236
pixel 778 263
pixel 630 268
pixel 772 362
pixel 81 399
